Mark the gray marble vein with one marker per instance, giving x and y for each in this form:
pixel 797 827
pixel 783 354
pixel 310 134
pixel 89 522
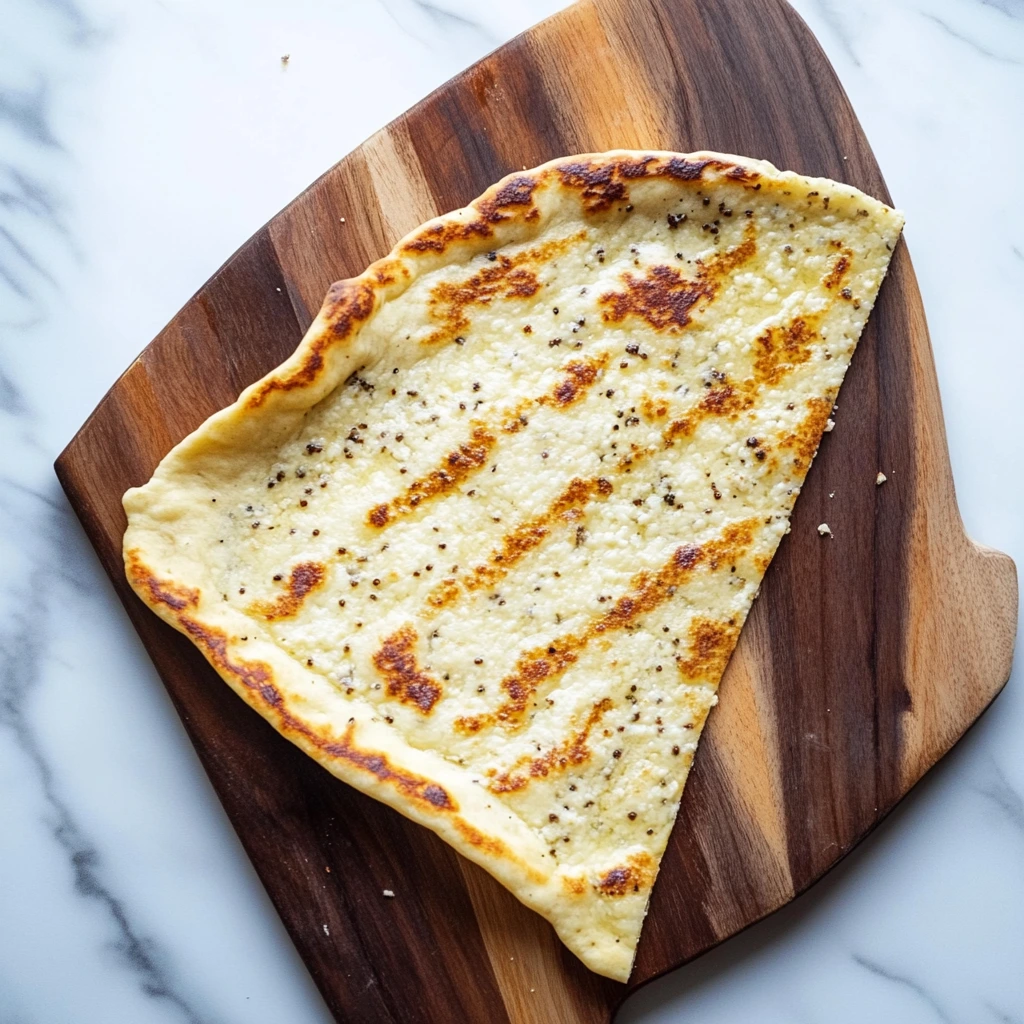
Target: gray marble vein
pixel 32 509
pixel 23 641
pixel 26 109
pixel 81 29
pixel 411 16
pixel 401 24
pixel 445 18
pixel 9 278
pixel 8 484
pixel 25 257
pixel 830 14
pixel 1013 8
pixel 974 44
pixel 898 979
pixel 23 193
pixel 12 402
pixel 1005 797
pixel 1000 1015
pixel 30 217
pixel 26 204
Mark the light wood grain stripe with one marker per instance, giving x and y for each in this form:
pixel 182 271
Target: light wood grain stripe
pixel 398 180
pixel 957 588
pixel 744 731
pixel 525 955
pixel 601 97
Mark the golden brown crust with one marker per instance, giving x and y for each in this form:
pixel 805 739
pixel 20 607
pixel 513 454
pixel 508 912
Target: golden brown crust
pixel 397 663
pixel 545 664
pixel 598 179
pixel 155 592
pixel 302 581
pixel 638 873
pixel 457 466
pixel 257 678
pixel 570 752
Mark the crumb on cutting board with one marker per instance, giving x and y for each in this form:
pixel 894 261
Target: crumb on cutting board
pixel 880 479
pixel 824 530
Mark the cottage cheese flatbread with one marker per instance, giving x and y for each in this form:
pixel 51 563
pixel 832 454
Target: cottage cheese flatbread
pixel 484 544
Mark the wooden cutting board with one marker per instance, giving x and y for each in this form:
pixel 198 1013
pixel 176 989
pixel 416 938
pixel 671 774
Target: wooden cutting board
pixel 865 659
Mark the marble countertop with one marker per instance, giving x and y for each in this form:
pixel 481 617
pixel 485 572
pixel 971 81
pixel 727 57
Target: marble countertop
pixel 140 144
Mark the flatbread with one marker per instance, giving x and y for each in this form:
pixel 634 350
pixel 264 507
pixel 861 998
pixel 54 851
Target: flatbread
pixel 484 544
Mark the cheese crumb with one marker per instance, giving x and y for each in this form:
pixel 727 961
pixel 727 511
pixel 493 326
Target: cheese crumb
pixel 326 932
pixel 830 425
pixel 390 895
pixel 880 479
pixel 824 530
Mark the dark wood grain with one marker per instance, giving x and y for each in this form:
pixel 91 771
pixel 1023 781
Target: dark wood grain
pixel 862 663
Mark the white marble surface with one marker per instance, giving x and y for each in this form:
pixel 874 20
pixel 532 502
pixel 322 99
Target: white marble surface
pixel 140 143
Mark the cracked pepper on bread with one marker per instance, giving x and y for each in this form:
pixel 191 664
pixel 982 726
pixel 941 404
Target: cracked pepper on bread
pixel 484 544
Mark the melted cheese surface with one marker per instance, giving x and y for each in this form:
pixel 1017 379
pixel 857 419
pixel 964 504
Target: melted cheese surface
pixel 521 534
